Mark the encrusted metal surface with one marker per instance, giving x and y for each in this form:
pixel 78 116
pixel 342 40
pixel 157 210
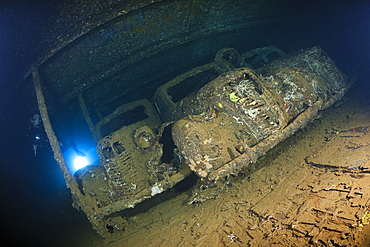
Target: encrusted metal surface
pixel 262 111
pixel 178 97
pixel 131 169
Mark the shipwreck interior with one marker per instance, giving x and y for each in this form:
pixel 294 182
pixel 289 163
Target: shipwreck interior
pixel 189 103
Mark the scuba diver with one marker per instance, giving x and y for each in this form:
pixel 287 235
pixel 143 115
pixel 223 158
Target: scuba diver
pixel 40 140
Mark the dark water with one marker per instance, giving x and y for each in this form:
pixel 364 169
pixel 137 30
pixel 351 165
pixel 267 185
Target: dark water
pixel 30 214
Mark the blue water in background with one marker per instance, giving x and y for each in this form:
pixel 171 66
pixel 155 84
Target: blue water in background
pixel 341 28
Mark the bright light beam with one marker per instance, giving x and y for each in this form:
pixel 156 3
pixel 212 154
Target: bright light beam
pixel 80 162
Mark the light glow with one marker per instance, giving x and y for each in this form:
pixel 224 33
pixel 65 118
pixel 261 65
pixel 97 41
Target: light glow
pixel 80 162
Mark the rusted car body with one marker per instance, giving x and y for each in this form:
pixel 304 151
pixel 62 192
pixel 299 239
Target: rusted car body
pixel 222 113
pixel 237 116
pixel 245 113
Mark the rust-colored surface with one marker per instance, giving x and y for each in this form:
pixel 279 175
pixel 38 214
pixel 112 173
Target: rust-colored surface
pixel 172 108
pixel 178 97
pixel 130 170
pixel 286 202
pixel 245 114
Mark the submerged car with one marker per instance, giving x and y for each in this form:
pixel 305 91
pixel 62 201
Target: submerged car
pixel 137 156
pixel 245 112
pixel 212 110
pixel 234 118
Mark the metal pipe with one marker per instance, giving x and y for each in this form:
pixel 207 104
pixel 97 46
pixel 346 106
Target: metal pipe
pixel 86 203
pixel 54 143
